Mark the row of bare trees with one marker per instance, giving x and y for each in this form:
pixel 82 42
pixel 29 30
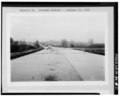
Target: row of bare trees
pixel 65 43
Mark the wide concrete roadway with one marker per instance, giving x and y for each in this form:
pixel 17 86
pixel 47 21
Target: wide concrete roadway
pixel 58 64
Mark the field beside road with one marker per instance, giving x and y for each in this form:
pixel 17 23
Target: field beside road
pixel 99 51
pixel 58 64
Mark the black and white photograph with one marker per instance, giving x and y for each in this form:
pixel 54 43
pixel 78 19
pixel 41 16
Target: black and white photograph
pixel 58 47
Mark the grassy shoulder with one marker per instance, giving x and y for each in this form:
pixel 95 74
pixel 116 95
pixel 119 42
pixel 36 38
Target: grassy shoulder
pixel 19 54
pixel 99 51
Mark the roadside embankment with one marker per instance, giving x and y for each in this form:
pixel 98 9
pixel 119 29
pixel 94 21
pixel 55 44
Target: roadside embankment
pixel 19 54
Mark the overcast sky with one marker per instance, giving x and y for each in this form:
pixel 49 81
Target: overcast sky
pixel 80 26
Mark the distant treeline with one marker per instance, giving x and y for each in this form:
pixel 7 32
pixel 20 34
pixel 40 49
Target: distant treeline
pixel 72 44
pixel 21 46
pixel 90 46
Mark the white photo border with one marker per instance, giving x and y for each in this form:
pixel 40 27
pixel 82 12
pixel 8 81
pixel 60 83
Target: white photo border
pixel 28 84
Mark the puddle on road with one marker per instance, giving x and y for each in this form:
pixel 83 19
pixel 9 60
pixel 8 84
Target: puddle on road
pixel 51 78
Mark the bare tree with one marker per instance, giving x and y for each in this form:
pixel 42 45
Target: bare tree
pixel 90 42
pixel 64 43
pixel 36 44
pixel 11 40
pixel 72 44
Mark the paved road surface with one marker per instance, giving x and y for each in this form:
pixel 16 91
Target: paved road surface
pixel 58 64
